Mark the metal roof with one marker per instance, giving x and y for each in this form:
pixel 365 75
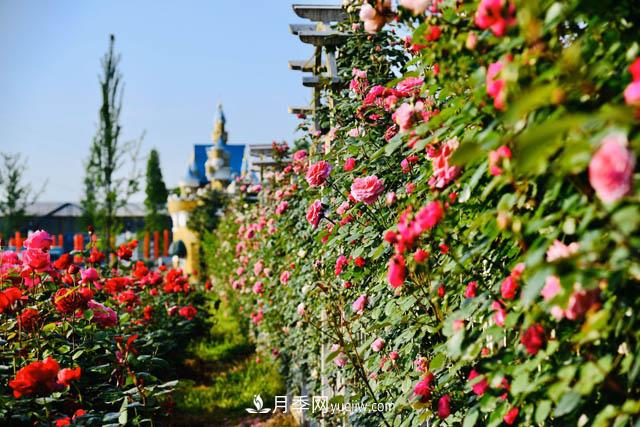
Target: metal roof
pixel 70 209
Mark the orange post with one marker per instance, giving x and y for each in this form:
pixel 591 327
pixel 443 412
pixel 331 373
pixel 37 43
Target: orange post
pixel 165 246
pixel 146 245
pixel 18 240
pixel 53 240
pixel 156 244
pixel 60 240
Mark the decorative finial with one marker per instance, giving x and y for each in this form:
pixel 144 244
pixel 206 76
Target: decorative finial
pixel 219 135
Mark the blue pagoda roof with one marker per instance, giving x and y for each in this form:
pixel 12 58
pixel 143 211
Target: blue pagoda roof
pixel 236 152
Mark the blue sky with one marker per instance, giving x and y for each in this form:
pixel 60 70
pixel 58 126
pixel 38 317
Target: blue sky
pixel 178 60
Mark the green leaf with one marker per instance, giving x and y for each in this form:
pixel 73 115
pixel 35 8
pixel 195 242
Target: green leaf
pixel 542 411
pixel 437 362
pixel 124 415
pixel 470 419
pixel 393 145
pixel 567 403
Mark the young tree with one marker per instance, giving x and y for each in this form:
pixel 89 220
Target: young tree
pixel 15 195
pixel 156 191
pixel 107 190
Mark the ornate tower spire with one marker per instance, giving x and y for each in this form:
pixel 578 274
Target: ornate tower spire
pixel 219 135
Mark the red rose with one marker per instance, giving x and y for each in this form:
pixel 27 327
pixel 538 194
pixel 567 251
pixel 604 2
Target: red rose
pixel 37 378
pixel 8 297
pixel 63 262
pixel 444 406
pixel 580 302
pixel 423 387
pixel 510 417
pixel 420 256
pixel 29 319
pixel 509 287
pixel 349 164
pixel 533 339
pixel 397 272
pixel 318 173
pixel 471 290
pixel 68 300
pixel 117 284
pixel 189 312
pixel 480 386
pixel 124 252
pixel 66 375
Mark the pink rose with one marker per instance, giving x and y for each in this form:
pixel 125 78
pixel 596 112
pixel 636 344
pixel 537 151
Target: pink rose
pixel 285 276
pixel 377 345
pixel 495 157
pixel 38 240
pixel 314 213
pixel 632 94
pixel 367 189
pixel 258 288
pixel 551 288
pixel 282 207
pixel 499 315
pixel 367 12
pixel 416 7
pixel 318 173
pixel 300 310
pixel 429 216
pixel 89 275
pixel 403 116
pixel 491 15
pixel 410 84
pixel 354 133
pixel 611 169
pixel 36 259
pixel 343 208
pixel 496 88
pixel 559 250
pixel 102 315
pixel 360 304
pixel 300 155
pixel 390 198
pixel 472 41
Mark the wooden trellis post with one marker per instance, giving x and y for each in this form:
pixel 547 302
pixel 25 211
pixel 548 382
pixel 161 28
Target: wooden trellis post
pixel 325 41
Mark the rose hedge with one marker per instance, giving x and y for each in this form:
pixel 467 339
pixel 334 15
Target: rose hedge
pixel 464 233
pixel 86 343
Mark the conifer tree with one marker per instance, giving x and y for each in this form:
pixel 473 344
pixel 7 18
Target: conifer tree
pixel 156 195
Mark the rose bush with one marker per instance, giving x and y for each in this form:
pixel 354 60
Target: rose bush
pixel 497 277
pixel 86 343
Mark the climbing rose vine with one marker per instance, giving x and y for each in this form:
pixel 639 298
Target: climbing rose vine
pixel 460 235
